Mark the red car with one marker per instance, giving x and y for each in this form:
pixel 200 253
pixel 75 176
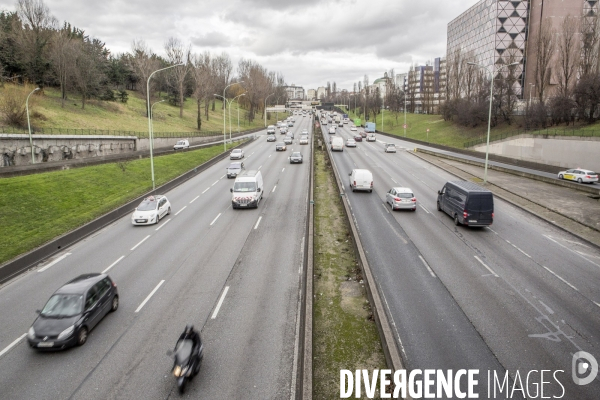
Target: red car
pixel 358 138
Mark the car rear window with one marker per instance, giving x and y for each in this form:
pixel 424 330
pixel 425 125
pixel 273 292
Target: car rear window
pixel 481 202
pixel 405 195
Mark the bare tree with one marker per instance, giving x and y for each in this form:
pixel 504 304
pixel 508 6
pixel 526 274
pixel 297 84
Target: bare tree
pixel 569 52
pixel 63 52
pixel 543 50
pixel 202 83
pixel 178 53
pixel 88 71
pixel 590 38
pixel 143 63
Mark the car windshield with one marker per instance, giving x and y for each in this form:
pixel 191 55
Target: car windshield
pixel 244 187
pixel 147 205
pixel 296 155
pixel 181 142
pixel 234 167
pixel 63 305
pixel 236 151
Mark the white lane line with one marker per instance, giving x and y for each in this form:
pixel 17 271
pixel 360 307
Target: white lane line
pixel 485 265
pixel 424 209
pixel 559 277
pixel 274 187
pixel 518 249
pixel 561 245
pixel 113 264
pixel 492 230
pixel 222 177
pixel 220 303
pixel 427 266
pixel 283 170
pixel 143 240
pixel 385 207
pixel 598 304
pixel 177 213
pixel 215 220
pixel 206 190
pixel 393 180
pixel 163 224
pixel 54 262
pixel 270 155
pixel 260 167
pixel 214 183
pixel 195 198
pixel 13 344
pixel 257 222
pixel 150 295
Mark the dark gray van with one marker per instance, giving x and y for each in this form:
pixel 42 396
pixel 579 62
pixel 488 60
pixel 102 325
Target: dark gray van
pixel 467 203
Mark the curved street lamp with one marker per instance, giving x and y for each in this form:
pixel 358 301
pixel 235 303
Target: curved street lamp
pixel 224 110
pixel 229 105
pixel 152 115
pixel 266 107
pixel 148 106
pixel 29 124
pixel 491 72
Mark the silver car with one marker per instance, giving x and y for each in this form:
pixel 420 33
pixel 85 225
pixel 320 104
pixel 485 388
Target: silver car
pixel 236 154
pixel 401 198
pixel 390 148
pixel 350 143
pixel 288 140
pixel 303 139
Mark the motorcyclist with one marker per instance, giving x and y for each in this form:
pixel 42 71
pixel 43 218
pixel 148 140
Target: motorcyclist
pixel 191 334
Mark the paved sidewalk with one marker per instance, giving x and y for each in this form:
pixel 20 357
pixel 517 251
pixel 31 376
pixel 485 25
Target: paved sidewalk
pixel 569 209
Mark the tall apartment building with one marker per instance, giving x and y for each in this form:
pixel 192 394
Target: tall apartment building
pixel 311 94
pixel 294 92
pixel 426 87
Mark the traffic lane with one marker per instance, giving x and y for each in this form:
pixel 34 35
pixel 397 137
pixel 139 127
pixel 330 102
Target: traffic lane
pixel 432 329
pixel 525 279
pixel 254 333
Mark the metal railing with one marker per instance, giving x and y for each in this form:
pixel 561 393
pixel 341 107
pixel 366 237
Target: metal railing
pixel 538 132
pixel 87 132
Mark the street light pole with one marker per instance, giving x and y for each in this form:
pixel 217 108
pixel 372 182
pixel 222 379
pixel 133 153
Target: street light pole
pixel 150 121
pixel 266 108
pixel 224 111
pixel 487 146
pixel 29 124
pixel 151 116
pixel 229 107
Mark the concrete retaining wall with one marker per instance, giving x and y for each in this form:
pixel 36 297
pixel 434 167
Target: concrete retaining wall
pixel 561 151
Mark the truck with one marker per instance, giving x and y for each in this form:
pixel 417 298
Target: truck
pixel 370 127
pixel 357 122
pixel 337 120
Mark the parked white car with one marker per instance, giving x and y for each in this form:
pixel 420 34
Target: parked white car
pixel 579 175
pixel 182 144
pixel 151 210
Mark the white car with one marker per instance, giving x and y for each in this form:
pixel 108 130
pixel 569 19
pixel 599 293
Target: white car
pixel 353 128
pixel 270 129
pixel 151 210
pixel 390 148
pixel 579 175
pixel 236 154
pixel 350 143
pixel 182 144
pixel 401 198
pixel 371 138
pixel 332 130
pixel 303 139
pixel 304 132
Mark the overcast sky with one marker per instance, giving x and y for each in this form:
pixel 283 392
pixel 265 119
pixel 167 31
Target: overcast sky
pixel 309 41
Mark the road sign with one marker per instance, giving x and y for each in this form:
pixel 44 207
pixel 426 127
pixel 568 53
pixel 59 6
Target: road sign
pixel 427 129
pixel 404 126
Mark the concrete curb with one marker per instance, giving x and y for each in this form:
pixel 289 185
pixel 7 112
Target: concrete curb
pixel 543 218
pixel 25 261
pixel 386 335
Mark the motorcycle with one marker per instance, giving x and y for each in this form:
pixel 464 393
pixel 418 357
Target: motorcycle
pixel 186 363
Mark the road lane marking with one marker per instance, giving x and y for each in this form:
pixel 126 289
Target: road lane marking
pixel 283 170
pixel 550 238
pixel 177 213
pixel 205 190
pixel 54 262
pixel 222 177
pixel 163 224
pixel 214 183
pixel 257 222
pixel 220 303
pixel 395 181
pixel 492 230
pixel 427 266
pixel 215 220
pixel 518 248
pixel 260 167
pixel 559 277
pixel 143 240
pixel 274 187
pixel 385 207
pixel 194 199
pixel 424 209
pixel 485 265
pixel 270 155
pixel 150 295
pixel 10 346
pixel 113 264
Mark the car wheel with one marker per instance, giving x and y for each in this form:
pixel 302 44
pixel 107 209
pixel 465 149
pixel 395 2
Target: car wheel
pixel 438 206
pixel 169 212
pixel 560 176
pixel 157 219
pixel 414 209
pixel 579 180
pixel 82 336
pixel 115 304
pixel 456 220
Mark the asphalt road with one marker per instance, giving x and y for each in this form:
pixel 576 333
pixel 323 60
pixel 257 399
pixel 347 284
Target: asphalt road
pixel 521 295
pixel 235 274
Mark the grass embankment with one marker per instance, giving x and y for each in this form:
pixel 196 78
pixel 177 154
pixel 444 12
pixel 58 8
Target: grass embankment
pixel 37 208
pixel 46 112
pixel 344 335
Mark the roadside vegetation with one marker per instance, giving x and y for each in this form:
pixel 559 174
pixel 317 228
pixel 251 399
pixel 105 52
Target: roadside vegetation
pixel 344 333
pixel 37 208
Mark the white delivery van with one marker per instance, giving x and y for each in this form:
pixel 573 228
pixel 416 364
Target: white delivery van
pixel 247 190
pixel 182 144
pixel 361 179
pixel 337 144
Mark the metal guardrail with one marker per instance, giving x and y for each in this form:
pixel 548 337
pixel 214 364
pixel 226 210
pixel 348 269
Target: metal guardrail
pixel 540 132
pixel 87 132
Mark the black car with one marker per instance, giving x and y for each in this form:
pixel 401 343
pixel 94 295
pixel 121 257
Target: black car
pixel 296 158
pixel 73 311
pixel 280 146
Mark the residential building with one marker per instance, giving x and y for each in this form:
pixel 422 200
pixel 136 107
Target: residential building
pixel 294 92
pixel 311 94
pixel 321 92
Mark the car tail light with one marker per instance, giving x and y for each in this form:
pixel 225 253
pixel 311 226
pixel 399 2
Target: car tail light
pixel 414 199
pixel 465 215
pixel 587 176
pixel 492 215
pixel 354 183
pixel 114 284
pixel 396 199
pixel 371 183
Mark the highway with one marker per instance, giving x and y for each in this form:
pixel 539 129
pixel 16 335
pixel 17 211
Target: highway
pixel 234 274
pixel 521 295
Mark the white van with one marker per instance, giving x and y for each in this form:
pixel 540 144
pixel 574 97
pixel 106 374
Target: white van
pixel 182 144
pixel 247 189
pixel 337 144
pixel 361 179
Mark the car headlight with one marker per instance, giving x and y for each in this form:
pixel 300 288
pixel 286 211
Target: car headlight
pixel 31 333
pixel 66 333
pixel 177 371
